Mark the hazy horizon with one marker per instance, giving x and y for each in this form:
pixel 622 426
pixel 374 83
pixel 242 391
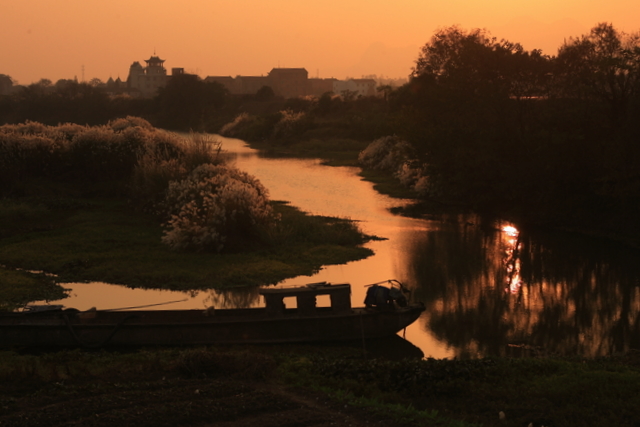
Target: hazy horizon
pixel 348 38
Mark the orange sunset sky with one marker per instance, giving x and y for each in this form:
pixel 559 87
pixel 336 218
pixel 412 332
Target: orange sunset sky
pixel 57 39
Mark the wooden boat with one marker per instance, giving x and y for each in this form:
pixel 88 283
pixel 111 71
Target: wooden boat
pixel 274 323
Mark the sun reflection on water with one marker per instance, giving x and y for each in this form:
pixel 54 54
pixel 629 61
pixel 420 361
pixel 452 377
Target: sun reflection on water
pixel 512 259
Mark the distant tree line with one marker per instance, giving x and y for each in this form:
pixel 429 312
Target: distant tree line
pixel 185 103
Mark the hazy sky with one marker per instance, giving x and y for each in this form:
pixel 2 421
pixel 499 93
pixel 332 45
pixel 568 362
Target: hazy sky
pixel 57 39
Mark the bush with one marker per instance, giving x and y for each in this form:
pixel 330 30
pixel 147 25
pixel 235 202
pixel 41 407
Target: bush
pixel 252 128
pixel 119 125
pixel 214 204
pixel 167 158
pixel 71 153
pixel 126 154
pixel 394 155
pixel 290 125
pixel 388 153
pixel 230 129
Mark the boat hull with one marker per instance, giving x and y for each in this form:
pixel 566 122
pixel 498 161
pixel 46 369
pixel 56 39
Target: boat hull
pixel 197 327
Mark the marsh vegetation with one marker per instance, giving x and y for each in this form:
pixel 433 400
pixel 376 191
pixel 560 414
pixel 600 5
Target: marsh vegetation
pixel 127 203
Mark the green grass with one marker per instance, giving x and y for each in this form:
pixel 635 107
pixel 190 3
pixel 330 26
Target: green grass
pixel 400 413
pixel 18 288
pixel 552 392
pixel 105 240
pixel 411 392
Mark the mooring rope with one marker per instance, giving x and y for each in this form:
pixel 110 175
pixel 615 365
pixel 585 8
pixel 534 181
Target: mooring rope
pixel 144 306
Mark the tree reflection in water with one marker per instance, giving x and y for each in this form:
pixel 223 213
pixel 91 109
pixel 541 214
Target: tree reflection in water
pixel 494 290
pixel 232 298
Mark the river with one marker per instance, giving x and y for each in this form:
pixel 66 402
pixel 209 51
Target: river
pixel 489 288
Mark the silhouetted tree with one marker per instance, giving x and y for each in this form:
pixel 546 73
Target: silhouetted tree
pixel 385 90
pixel 6 83
pixel 187 102
pixel 265 93
pixel 325 104
pixel 96 82
pixel 472 63
pixel 602 65
pixel 66 101
pixel 45 83
pixel 7 104
pixel 599 74
pixel 61 84
pixel 546 139
pixel 465 123
pixel 348 95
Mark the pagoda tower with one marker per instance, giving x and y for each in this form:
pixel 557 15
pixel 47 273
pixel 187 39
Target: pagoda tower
pixel 155 67
pixel 147 80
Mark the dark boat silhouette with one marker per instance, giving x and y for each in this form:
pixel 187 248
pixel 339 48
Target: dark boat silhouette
pixel 46 326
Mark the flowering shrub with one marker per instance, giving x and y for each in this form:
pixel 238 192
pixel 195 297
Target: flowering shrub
pixel 66 132
pixel 199 149
pixel 89 154
pixel 413 175
pixel 231 128
pixel 290 124
pixel 213 204
pixel 424 187
pixel 395 155
pixel 387 153
pixel 118 125
pixel 32 128
pixel 22 157
pixel 407 174
pixel 169 157
pixel 113 154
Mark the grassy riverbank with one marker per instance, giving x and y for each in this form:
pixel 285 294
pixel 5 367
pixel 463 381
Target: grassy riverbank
pixel 130 204
pixel 310 386
pixel 106 240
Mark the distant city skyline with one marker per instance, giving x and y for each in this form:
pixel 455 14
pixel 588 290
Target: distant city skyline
pixel 348 38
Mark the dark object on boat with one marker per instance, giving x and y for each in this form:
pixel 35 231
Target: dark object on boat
pixel 272 324
pixel 386 297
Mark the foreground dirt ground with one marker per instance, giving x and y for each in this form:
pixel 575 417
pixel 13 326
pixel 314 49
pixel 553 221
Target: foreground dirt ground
pixel 173 402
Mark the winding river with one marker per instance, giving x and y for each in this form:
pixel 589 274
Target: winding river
pixel 489 288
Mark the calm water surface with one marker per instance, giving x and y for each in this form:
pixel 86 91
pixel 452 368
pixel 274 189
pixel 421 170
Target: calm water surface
pixel 489 288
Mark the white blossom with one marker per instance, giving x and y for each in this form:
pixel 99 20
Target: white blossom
pixel 214 203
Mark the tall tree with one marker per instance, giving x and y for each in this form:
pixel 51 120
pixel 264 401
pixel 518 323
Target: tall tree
pixel 474 101
pixel 475 63
pixel 187 102
pixel 602 65
pixel 6 83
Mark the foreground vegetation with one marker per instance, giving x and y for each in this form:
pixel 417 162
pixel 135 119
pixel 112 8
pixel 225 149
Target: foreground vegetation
pixel 312 385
